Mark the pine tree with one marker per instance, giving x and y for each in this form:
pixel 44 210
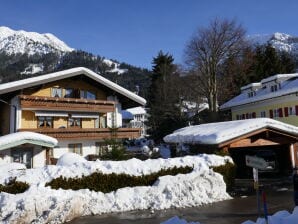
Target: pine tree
pixel 164 98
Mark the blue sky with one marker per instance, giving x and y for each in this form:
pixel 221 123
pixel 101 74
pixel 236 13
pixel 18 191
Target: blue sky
pixel 133 31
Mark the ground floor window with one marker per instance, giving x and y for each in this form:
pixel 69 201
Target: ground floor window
pixel 101 148
pixel 75 148
pixel 24 156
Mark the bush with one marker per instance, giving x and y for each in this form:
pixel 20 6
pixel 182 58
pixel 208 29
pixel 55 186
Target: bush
pixel 117 151
pixel 111 182
pixel 229 172
pixel 14 187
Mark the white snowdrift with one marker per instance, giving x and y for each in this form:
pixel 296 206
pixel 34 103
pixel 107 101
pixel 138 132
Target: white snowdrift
pixel 42 204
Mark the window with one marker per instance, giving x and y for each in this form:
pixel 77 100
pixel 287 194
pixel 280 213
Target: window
pixel 251 94
pixel 90 95
pixel 101 148
pixel 56 92
pixel 275 113
pixel 74 122
pixel 68 93
pixel 263 113
pixel 292 111
pixel 45 122
pixel 274 88
pixel 87 95
pixel 75 148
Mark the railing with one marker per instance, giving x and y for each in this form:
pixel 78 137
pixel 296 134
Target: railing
pixel 88 133
pixel 66 104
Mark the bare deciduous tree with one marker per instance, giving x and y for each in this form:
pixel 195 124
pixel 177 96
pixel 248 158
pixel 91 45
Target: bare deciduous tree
pixel 206 52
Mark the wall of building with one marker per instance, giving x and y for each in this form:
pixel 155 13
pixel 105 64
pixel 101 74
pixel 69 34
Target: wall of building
pixel 88 147
pixel 267 105
pixel 39 155
pixel 28 119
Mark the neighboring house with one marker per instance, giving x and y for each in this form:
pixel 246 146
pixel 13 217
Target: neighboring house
pixel 77 107
pixel 275 97
pixel 136 118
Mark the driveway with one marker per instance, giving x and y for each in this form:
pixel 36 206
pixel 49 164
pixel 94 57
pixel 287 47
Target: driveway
pixel 232 211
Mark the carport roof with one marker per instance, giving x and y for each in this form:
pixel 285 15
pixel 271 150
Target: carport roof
pixel 20 138
pixel 221 132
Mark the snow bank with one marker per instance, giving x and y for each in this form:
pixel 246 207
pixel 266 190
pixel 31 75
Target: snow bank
pixel 69 159
pixel 40 204
pixel 281 217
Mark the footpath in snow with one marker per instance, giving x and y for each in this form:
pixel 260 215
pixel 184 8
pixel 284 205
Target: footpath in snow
pixel 40 204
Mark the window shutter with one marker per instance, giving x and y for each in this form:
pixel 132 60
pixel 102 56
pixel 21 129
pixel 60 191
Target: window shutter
pixel 280 114
pixel 246 116
pixel 243 116
pixel 296 109
pixel 254 115
pixel 286 109
pixel 271 113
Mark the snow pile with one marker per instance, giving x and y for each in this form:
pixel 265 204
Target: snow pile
pixel 216 133
pixel 14 42
pixel 40 204
pixel 281 217
pixel 69 159
pixel 177 220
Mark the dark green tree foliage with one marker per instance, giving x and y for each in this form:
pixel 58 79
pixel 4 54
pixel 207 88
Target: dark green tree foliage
pixel 111 182
pixel 268 61
pixel 164 98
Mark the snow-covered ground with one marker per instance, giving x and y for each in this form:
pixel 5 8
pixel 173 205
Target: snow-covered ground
pixel 40 204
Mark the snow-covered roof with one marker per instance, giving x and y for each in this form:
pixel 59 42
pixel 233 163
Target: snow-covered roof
pixel 217 133
pixel 137 110
pixel 25 83
pixel 19 138
pixel 289 86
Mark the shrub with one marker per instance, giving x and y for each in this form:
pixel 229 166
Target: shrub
pixel 229 172
pixel 14 187
pixel 117 151
pixel 111 182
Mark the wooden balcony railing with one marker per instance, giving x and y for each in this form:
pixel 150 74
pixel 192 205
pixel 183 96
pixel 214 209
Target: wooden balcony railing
pixel 66 104
pixel 90 133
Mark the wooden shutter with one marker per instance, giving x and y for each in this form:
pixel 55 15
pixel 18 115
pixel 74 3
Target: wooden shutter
pixel 296 109
pixel 280 114
pixel 286 109
pixel 271 113
pixel 254 115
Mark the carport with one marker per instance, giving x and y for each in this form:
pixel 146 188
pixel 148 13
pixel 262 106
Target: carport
pixel 275 141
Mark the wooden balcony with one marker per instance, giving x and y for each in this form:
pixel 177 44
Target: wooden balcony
pixel 90 133
pixel 65 104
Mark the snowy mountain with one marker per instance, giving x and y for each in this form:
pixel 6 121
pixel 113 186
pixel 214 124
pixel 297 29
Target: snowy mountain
pixel 280 41
pixel 13 42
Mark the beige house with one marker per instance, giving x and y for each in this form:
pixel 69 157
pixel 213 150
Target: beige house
pixel 77 107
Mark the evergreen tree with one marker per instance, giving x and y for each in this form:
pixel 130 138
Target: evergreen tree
pixel 164 98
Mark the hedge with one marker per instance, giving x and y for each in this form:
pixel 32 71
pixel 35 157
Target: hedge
pixel 111 182
pixel 229 172
pixel 14 187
